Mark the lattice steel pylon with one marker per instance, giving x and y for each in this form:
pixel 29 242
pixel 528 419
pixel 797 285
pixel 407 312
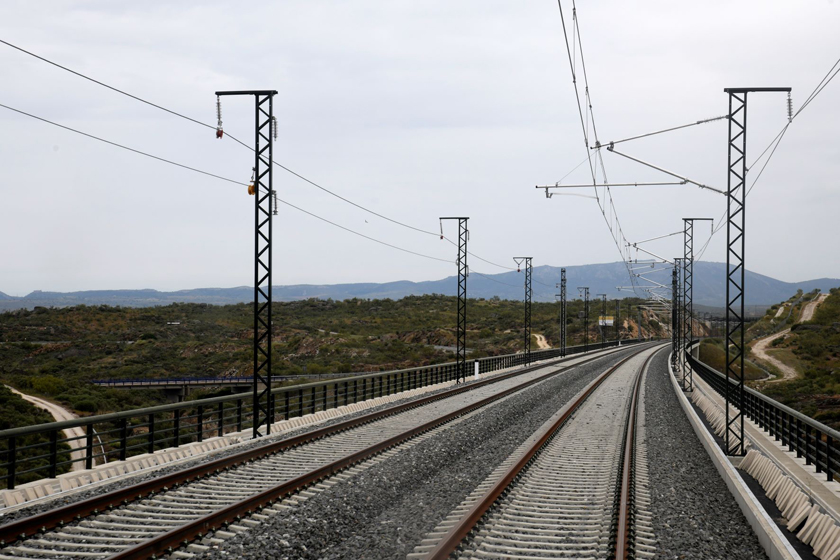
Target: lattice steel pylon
pixel 675 349
pixel 603 328
pixel 736 196
pixel 263 191
pixel 639 310
pixel 688 296
pixel 527 262
pixel 463 272
pixel 562 286
pixel 585 291
pixel 618 322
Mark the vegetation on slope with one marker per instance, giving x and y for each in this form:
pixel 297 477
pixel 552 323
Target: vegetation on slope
pixel 57 352
pixel 816 346
pixel 15 412
pixel 713 354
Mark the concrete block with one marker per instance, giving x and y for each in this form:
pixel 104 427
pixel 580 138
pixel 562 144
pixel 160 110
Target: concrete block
pixel 12 497
pixel 68 481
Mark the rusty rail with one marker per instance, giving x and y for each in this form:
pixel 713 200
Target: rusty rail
pixel 457 534
pixel 39 523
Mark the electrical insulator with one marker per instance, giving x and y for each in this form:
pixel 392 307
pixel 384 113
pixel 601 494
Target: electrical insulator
pixel 219 131
pixel 790 108
pixel 274 126
pixel 251 189
pixel 517 269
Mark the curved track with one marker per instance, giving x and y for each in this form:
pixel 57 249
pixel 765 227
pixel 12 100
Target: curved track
pixel 576 489
pixel 158 517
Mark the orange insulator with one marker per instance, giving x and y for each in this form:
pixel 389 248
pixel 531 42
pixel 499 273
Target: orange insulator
pixel 219 133
pixel 251 189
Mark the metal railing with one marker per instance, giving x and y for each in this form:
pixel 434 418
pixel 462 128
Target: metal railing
pixel 815 442
pixel 45 450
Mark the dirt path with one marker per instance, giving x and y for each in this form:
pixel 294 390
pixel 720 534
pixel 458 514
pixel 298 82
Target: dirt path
pixel 780 311
pixel 810 308
pixel 760 346
pixel 542 343
pixel 60 414
pixel 760 350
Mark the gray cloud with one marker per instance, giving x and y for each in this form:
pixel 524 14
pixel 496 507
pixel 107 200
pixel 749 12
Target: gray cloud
pixel 415 109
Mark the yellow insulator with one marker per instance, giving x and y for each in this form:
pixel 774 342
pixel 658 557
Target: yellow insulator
pixel 251 189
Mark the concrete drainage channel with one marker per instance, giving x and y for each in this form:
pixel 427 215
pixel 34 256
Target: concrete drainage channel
pixel 109 534
pixel 802 515
pixel 775 544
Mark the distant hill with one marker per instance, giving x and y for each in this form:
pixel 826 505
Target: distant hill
pixel 709 285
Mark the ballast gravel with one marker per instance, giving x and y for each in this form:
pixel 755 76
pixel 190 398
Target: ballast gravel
pixel 60 500
pixel 384 511
pixel 694 515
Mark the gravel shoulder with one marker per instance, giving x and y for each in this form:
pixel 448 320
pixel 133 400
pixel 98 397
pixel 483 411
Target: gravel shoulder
pixel 383 512
pixel 695 516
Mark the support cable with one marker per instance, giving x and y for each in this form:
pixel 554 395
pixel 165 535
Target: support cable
pixel 195 121
pixel 215 176
pixel 615 229
pixel 123 146
pixel 774 144
pixel 235 139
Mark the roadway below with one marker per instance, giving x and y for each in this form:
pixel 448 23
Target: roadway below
pixel 60 413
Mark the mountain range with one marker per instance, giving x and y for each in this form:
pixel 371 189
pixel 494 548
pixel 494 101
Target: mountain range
pixel 709 285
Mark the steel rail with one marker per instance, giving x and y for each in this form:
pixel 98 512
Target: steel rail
pixel 167 542
pixel 624 531
pixel 20 529
pixel 460 531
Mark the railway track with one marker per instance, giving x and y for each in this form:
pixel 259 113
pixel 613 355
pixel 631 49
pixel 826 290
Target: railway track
pixel 576 489
pixel 163 516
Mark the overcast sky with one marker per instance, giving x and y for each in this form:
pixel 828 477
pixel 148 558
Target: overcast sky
pixel 413 109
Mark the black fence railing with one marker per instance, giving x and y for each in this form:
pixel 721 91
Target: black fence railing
pixel 46 450
pixel 818 444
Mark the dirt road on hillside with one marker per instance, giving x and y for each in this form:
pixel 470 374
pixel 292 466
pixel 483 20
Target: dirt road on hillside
pixel 60 414
pixel 760 346
pixel 542 343
pixel 811 307
pixel 760 350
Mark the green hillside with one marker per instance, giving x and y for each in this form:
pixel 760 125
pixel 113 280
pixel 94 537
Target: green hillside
pixel 815 345
pixel 57 352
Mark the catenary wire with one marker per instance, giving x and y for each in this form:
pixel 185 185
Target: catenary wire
pixel 775 144
pixel 215 176
pixel 237 140
pixel 363 235
pixel 584 121
pixel 103 84
pixel 177 114
pixel 122 146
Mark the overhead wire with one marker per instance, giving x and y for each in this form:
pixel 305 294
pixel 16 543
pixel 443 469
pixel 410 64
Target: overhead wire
pixel 774 144
pixel 232 137
pixel 363 235
pixel 245 145
pixel 124 147
pixel 585 121
pixel 493 279
pixel 215 176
